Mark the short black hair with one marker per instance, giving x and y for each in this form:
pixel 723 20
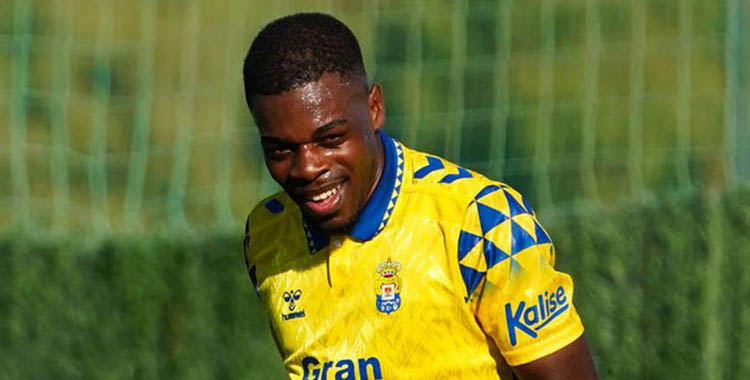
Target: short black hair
pixel 298 49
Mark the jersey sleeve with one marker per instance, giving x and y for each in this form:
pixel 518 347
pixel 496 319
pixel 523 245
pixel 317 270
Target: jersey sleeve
pixel 506 261
pixel 249 266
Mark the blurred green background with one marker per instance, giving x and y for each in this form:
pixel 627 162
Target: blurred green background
pixel 128 162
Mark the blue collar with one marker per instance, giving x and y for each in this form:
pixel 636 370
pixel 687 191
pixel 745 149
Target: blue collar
pixel 379 208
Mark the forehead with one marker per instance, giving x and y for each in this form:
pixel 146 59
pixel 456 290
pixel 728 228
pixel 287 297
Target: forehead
pixel 310 106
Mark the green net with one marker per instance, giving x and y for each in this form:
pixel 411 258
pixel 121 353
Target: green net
pixel 129 116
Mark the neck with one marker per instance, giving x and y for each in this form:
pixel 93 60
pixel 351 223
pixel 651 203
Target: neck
pixel 380 163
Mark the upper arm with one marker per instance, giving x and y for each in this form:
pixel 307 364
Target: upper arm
pixel 507 261
pixel 571 362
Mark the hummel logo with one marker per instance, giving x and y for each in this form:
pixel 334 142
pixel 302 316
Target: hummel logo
pixel 292 299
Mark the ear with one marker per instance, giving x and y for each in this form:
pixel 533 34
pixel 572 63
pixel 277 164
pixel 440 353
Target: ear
pixel 376 106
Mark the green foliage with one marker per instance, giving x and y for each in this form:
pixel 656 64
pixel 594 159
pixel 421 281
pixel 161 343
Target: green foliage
pixel 661 286
pixel 131 308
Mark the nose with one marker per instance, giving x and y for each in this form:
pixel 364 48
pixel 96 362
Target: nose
pixel 308 163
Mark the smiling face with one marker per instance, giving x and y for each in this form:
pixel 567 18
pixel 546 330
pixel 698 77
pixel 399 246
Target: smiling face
pixel 320 145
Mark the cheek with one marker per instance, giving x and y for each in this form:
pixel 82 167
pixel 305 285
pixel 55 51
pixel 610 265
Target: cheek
pixel 279 170
pixel 354 158
pixel 361 167
pixel 367 159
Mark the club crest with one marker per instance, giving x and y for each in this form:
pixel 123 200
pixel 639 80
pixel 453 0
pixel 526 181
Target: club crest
pixel 388 287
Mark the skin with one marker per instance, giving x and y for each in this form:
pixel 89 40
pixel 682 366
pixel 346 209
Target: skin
pixel 572 362
pixel 320 136
pixel 324 134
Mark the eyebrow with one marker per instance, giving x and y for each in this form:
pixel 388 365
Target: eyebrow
pixel 328 126
pixel 316 133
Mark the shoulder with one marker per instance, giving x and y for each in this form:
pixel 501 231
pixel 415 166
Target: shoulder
pixel 270 211
pixel 431 174
pixel 501 239
pixel 493 222
pixel 272 220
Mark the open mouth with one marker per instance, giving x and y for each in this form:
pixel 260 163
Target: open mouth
pixel 325 202
pixel 326 194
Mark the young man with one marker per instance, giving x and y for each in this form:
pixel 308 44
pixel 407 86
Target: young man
pixel 381 262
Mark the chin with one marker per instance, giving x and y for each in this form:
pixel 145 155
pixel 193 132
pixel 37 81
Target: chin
pixel 337 225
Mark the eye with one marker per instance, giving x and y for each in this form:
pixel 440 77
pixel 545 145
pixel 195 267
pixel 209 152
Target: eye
pixel 277 152
pixel 297 294
pixel 287 297
pixel 332 140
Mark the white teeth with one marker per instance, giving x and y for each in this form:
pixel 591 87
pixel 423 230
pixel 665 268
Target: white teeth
pixel 326 194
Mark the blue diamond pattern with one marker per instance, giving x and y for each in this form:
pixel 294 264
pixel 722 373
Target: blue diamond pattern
pixel 466 242
pixel 520 239
pixel 515 267
pixel 274 206
pixel 513 205
pixel 541 236
pixel 487 190
pixel 489 217
pixel 471 278
pixel 493 255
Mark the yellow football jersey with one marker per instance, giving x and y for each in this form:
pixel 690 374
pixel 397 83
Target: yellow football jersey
pixel 446 275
